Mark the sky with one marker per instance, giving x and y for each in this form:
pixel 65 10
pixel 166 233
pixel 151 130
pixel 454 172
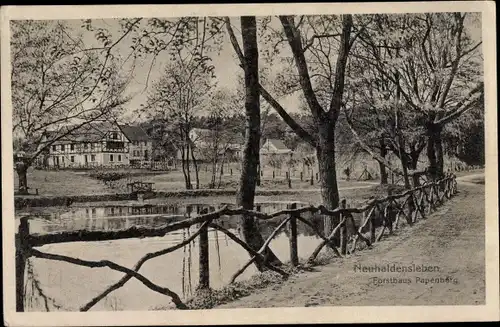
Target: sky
pixel 226 64
pixel 140 82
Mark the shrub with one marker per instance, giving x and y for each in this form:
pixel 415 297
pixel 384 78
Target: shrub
pixel 108 177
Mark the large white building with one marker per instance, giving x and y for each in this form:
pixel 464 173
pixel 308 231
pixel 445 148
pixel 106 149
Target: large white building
pixel 99 144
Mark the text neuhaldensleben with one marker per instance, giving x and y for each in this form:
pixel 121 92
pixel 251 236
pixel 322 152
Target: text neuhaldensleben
pixel 395 268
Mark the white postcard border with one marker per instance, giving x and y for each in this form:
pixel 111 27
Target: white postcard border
pixel 490 311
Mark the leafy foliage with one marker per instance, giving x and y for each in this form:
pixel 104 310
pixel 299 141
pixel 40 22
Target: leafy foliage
pixel 56 83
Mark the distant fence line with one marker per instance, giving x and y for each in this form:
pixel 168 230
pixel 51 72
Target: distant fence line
pixel 379 216
pixel 155 165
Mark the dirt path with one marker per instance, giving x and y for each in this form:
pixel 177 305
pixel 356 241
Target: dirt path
pixel 451 239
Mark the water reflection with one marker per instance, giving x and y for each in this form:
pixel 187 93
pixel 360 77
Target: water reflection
pixel 116 217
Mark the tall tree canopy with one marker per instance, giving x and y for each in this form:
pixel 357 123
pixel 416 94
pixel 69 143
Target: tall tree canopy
pixel 57 87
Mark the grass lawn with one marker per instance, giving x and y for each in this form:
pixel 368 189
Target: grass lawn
pixel 62 182
pixel 175 181
pixel 66 182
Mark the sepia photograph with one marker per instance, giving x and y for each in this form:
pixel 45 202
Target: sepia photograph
pixel 183 164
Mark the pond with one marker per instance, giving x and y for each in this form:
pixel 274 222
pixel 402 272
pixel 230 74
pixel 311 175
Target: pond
pixel 72 286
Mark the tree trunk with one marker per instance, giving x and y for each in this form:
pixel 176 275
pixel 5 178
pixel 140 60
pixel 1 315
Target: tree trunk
pixel 327 171
pixel 214 173
pixel 414 155
pixel 187 165
pixel 383 170
pixel 196 172
pixel 220 172
pixel 404 163
pixel 248 179
pixel 22 169
pixel 435 150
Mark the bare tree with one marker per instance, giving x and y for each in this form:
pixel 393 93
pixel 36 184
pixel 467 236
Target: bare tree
pixel 379 116
pixel 435 66
pixel 217 142
pixel 177 98
pixel 308 37
pixel 56 88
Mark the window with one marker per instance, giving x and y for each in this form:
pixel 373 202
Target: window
pixel 119 157
pixel 72 158
pixel 72 147
pixel 111 157
pixel 92 146
pixel 54 148
pixel 92 157
pixel 85 146
pixel 62 159
pixel 86 159
pixel 114 135
pixel 115 145
pixel 62 147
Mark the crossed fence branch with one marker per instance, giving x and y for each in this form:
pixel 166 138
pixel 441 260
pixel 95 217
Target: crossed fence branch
pixel 379 215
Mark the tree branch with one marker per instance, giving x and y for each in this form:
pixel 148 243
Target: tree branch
pixel 106 263
pixel 314 37
pixel 340 68
pixel 138 266
pixel 472 99
pixel 293 36
pixel 367 148
pixel 302 133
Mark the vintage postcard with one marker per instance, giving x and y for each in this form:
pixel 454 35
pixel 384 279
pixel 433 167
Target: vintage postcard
pixel 251 163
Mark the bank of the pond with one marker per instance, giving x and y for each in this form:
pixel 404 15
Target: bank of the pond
pixel 211 298
pixel 308 195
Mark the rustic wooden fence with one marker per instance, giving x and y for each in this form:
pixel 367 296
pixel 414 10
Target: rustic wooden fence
pixel 379 217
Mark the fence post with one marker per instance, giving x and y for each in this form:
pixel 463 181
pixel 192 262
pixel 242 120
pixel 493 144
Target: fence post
pixel 204 282
pixel 301 176
pixel 22 247
pixel 343 229
pixel 294 256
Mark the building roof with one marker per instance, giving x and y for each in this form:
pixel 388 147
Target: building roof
pixel 134 133
pixel 278 144
pixel 91 132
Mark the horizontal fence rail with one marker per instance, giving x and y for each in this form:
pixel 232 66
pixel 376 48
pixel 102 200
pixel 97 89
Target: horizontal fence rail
pixel 380 216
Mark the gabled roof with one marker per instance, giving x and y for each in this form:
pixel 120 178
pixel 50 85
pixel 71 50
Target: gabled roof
pixel 91 132
pixel 134 133
pixel 278 144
